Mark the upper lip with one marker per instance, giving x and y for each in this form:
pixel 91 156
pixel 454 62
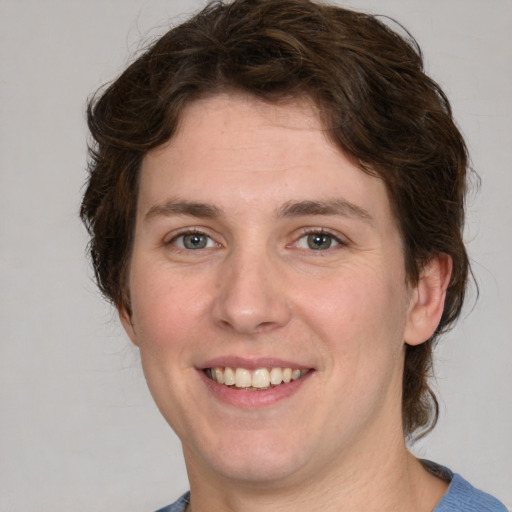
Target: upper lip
pixel 252 363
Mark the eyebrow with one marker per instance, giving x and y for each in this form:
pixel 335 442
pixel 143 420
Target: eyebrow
pixel 338 206
pixel 180 207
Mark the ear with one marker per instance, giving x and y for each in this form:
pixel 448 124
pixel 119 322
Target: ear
pixel 427 299
pixel 126 319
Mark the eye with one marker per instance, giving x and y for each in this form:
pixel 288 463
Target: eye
pixel 193 241
pixel 317 241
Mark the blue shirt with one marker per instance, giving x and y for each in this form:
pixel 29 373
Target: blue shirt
pixel 460 497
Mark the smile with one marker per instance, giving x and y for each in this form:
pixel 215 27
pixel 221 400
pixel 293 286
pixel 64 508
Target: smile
pixel 255 380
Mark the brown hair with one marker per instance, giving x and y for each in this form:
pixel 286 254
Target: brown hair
pixel 373 97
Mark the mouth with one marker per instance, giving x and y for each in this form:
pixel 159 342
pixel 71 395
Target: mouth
pixel 259 379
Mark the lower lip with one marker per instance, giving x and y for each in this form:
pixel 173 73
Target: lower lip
pixel 244 399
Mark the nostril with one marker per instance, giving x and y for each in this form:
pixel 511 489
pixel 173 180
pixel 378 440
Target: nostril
pixel 246 326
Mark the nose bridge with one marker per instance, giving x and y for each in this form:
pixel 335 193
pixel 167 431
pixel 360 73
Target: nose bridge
pixel 251 297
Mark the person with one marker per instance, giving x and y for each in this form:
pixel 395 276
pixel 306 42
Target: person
pixel 276 204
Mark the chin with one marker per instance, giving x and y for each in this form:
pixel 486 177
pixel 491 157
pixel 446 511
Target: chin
pixel 261 458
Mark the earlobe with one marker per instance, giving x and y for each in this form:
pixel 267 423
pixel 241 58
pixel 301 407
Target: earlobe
pixel 126 319
pixel 427 300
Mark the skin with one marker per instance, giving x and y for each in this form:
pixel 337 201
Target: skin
pixel 257 290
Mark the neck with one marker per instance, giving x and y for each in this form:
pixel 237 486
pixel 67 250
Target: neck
pixel 387 478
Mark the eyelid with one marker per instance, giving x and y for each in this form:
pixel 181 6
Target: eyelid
pixel 341 241
pixel 170 238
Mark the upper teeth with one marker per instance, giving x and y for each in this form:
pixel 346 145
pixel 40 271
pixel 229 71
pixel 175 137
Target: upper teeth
pixel 260 378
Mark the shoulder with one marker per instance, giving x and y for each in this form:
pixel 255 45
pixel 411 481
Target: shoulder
pixel 177 506
pixel 460 497
pixel 463 497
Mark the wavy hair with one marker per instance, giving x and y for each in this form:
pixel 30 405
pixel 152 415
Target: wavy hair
pixel 374 99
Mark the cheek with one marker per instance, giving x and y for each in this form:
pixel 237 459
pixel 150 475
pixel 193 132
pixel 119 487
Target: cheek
pixel 361 317
pixel 166 312
pixel 166 316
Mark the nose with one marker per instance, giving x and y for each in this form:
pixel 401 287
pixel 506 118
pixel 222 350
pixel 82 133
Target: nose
pixel 252 296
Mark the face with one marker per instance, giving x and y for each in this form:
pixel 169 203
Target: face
pixel 262 251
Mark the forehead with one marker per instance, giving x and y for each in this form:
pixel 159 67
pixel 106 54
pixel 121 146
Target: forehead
pixel 239 152
pixel 240 127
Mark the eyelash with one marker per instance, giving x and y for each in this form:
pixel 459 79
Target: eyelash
pixel 304 233
pixel 184 233
pixel 322 232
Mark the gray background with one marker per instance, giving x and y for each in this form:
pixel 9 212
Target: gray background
pixel 78 430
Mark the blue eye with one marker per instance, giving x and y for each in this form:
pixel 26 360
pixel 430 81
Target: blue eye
pixel 193 241
pixel 317 241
